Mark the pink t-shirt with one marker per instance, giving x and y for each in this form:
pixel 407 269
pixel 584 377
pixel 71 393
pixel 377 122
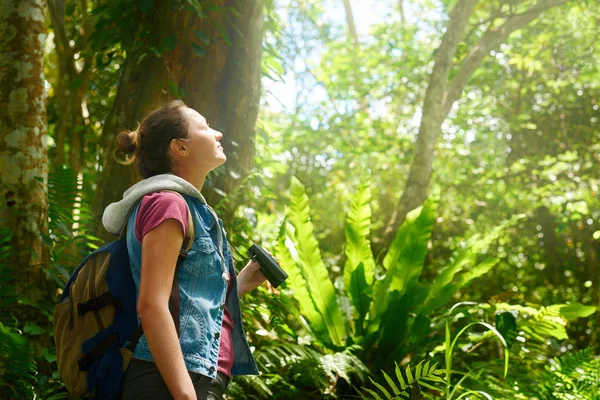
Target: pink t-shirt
pixel 154 209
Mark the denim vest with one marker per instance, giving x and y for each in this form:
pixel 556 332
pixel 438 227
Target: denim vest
pixel 203 279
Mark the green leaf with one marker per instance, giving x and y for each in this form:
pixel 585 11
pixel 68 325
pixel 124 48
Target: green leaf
pixel 400 378
pixel 405 258
pixel 575 310
pixel 358 248
pixel 313 269
pixel 506 323
pixel 391 383
pixel 409 377
pixel 373 393
pixel 298 284
pixel 198 49
pixel 381 388
pixel 465 258
pixel 202 37
pixel 168 44
pixel 173 89
pixel 34 329
pixel 360 295
pixel 418 371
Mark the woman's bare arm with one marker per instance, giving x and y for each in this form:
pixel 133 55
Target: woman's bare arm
pixel 160 249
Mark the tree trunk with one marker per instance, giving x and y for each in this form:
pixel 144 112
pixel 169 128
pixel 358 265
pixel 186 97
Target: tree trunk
pixel 222 82
pixel 23 149
pixel 442 93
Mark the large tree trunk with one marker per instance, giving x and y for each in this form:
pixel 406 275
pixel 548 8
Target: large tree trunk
pixel 222 82
pixel 23 150
pixel 442 93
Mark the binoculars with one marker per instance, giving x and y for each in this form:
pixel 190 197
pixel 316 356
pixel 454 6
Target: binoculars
pixel 268 266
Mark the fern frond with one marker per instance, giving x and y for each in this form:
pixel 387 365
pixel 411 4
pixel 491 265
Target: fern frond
pixel 406 381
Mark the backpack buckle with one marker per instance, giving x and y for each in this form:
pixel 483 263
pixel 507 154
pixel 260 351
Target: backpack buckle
pixel 90 305
pixel 83 363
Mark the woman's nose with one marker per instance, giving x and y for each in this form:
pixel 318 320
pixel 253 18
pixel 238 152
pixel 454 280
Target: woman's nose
pixel 218 134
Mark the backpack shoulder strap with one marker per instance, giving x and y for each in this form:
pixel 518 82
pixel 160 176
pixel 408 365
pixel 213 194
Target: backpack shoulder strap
pixel 188 241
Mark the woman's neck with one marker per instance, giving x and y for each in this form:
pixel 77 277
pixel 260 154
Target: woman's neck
pixel 195 178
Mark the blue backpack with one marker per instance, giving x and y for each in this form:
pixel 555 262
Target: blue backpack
pixel 95 324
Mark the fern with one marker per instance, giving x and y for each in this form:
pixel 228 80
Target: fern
pixel 406 382
pixel 17 368
pixel 70 222
pixel 290 369
pixel 571 376
pixel 313 270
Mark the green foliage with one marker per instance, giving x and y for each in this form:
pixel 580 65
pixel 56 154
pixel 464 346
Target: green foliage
pixel 289 370
pixel 389 314
pixel 7 288
pixel 571 376
pixel 313 274
pixel 523 141
pixel 17 368
pixel 70 220
pixel 407 383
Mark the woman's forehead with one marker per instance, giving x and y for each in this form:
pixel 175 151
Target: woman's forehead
pixel 195 116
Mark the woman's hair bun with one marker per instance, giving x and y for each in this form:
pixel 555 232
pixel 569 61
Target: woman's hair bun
pixel 128 141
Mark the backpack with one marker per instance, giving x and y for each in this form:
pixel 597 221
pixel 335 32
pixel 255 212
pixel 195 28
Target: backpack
pixel 95 324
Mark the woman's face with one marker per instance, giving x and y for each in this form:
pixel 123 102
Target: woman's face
pixel 204 149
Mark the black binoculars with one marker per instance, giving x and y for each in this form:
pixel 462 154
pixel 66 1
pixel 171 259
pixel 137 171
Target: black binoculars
pixel 268 266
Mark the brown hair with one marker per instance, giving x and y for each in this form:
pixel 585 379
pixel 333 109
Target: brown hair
pixel 148 145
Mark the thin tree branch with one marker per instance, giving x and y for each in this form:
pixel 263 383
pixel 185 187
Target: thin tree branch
pixel 401 10
pixel 459 16
pixel 58 22
pixel 351 24
pixel 489 41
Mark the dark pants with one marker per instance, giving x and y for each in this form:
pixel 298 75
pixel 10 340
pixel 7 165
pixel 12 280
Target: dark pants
pixel 143 381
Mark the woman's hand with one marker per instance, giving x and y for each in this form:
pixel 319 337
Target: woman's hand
pixel 250 278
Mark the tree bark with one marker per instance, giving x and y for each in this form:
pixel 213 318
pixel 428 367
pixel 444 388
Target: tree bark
pixel 23 147
pixel 442 93
pixel 222 83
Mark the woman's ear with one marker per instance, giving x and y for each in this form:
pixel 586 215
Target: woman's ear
pixel 178 148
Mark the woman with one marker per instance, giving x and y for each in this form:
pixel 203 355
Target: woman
pixel 174 149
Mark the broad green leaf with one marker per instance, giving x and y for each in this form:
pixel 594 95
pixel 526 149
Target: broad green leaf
pixel 34 329
pixel 358 248
pixel 575 310
pixel 405 258
pixel 313 269
pixel 298 284
pixel 360 295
